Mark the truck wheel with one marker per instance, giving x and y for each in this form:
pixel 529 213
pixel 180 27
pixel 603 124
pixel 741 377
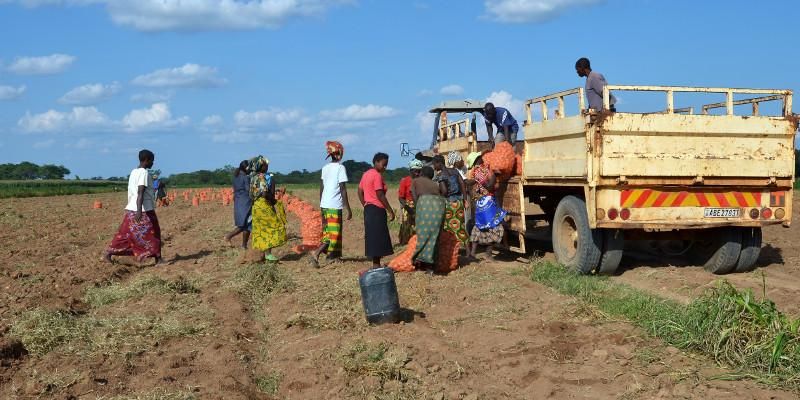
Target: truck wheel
pixel 719 254
pixel 751 248
pixel 574 244
pixel 613 243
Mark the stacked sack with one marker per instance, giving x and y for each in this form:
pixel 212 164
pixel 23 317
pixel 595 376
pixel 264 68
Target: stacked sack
pixel 446 257
pixel 310 222
pixel 502 159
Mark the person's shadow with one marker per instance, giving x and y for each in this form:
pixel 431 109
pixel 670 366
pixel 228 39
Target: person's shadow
pixel 195 256
pixel 408 315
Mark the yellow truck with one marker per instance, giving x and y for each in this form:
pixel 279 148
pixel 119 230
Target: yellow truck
pixel 706 183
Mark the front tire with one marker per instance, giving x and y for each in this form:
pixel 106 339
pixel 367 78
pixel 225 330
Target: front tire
pixel 575 244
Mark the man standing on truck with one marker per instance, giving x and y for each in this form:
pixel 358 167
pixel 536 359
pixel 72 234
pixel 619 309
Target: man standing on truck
pixel 595 83
pixel 505 122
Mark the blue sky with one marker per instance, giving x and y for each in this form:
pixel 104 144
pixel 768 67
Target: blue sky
pixel 87 83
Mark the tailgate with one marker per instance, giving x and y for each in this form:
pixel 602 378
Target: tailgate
pixel 674 145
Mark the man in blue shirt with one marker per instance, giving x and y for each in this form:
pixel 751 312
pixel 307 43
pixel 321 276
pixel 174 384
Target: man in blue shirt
pixel 505 122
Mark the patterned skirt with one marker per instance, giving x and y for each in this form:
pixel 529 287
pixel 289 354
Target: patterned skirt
pixel 407 223
pixel 430 213
pixel 455 221
pixel 269 225
pixel 332 232
pixel 139 239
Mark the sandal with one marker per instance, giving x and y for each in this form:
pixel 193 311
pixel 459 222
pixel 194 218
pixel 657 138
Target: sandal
pixel 271 258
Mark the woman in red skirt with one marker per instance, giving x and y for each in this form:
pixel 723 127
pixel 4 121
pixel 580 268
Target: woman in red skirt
pixel 139 234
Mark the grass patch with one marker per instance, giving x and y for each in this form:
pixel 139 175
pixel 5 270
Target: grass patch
pixel 44 331
pixel 156 394
pixel 269 383
pixel 380 360
pixel 748 335
pixel 105 295
pixel 256 282
pixel 332 303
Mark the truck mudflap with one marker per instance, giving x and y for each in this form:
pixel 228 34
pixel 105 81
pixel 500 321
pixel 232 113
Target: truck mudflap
pixel 691 208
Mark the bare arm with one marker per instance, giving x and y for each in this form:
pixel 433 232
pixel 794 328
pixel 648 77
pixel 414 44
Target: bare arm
pixel 489 131
pixel 345 201
pixel 361 196
pixel 382 197
pixel 139 202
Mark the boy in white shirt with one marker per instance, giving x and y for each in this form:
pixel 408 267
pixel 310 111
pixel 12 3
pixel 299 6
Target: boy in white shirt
pixel 333 199
pixel 139 235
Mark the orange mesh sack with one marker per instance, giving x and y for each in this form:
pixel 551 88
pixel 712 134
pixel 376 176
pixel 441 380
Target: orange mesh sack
pixel 403 262
pixel 501 159
pixel 447 257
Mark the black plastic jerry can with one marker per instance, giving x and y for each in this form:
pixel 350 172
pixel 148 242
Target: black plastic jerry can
pixel 379 295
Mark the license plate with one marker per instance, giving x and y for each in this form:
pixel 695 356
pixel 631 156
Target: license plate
pixel 722 212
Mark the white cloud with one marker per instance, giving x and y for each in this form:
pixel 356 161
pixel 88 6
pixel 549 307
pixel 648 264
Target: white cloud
pixel 52 120
pixel 201 15
pixel 522 11
pixel 189 75
pixel 44 144
pixel 425 121
pixel 11 93
pixel 271 116
pixel 157 117
pixel 452 90
pixel 357 112
pixel 507 101
pixel 212 120
pixel 233 137
pixel 45 65
pixel 151 97
pixel 90 94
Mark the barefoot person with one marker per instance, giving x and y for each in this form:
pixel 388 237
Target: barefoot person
pixel 242 205
pixel 489 218
pixel 269 217
pixel 332 200
pixel 372 194
pixel 139 234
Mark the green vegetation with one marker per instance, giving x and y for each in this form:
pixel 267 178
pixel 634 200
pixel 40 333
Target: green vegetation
pixel 28 170
pixel 37 188
pixel 748 335
pixel 256 282
pixel 269 384
pixel 155 394
pixel 379 360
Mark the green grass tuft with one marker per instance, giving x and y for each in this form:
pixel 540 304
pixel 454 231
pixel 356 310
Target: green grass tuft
pixel 105 295
pixel 256 282
pixel 270 383
pixel 748 335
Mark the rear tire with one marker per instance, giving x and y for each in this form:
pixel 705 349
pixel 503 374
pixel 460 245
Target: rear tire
pixel 574 243
pixel 751 249
pixel 720 253
pixel 613 244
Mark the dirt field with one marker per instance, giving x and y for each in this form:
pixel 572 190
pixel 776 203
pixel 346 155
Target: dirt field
pixel 207 326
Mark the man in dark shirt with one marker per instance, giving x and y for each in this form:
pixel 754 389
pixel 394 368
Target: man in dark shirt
pixel 505 122
pixel 595 83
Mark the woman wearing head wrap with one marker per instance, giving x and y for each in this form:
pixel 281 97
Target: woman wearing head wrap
pixel 454 190
pixel 429 213
pixel 455 161
pixel 333 199
pixel 489 217
pixel 242 205
pixel 269 217
pixel 407 201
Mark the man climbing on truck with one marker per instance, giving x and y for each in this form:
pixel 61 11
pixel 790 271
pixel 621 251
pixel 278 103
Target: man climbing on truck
pixel 595 82
pixel 505 122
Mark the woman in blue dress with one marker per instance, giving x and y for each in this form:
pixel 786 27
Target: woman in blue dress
pixel 242 204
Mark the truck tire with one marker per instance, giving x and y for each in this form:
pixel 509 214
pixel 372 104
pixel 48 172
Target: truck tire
pixel 720 253
pixel 574 243
pixel 751 249
pixel 613 244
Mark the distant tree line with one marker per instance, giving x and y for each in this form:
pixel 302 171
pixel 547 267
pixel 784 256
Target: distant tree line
pixel 29 171
pixel 223 176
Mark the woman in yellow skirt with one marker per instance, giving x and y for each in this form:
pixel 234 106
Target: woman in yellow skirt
pixel 269 216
